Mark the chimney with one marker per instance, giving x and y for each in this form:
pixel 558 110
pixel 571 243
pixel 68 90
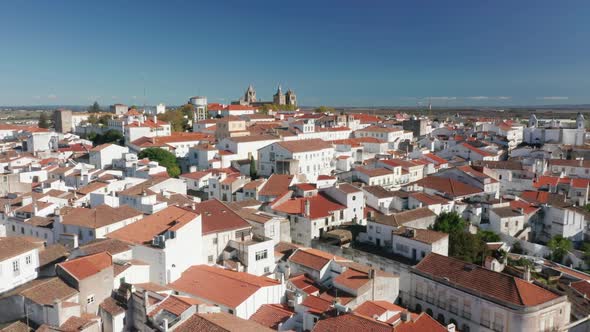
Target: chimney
pixel 451 327
pixel 155 119
pixel 527 273
pixel 165 324
pixel 405 316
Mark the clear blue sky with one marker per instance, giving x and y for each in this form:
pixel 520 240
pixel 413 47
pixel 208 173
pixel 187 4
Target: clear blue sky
pixel 330 52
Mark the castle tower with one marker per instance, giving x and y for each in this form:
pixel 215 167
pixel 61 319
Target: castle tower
pixel 279 98
pixel 291 98
pixel 580 121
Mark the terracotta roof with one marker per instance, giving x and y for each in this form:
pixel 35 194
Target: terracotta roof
pixel 378 191
pixel 582 286
pixel 493 285
pixel 75 323
pixel 320 206
pixel 351 279
pixel 100 147
pixel 438 160
pixel 218 217
pixel 377 308
pixel 84 267
pixel 422 235
pixel 401 218
pixel 477 150
pixel 219 322
pixel 271 315
pixel 569 163
pixel 46 291
pixel 111 306
pixel 144 230
pixel 52 253
pixel 304 145
pixel 112 246
pixel 380 129
pixel 316 304
pixel 352 323
pixel 276 185
pixel 448 186
pixel 220 286
pixel 305 284
pixel 101 216
pixel 428 199
pixel 422 323
pixel 13 246
pixel 373 172
pixel 311 258
pixel 196 175
pixel 175 305
pixel 17 326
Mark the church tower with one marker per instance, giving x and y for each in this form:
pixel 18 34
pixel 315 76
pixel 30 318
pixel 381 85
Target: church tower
pixel 580 121
pixel 291 98
pixel 279 97
pixel 250 95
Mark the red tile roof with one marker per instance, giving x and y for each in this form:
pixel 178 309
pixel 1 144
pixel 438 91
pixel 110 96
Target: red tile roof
pixel 422 323
pixel 144 230
pixel 219 322
pixel 271 315
pixel 377 308
pixel 218 217
pixel 220 286
pixel 352 323
pixel 448 186
pixel 494 285
pixel 175 305
pixel 311 258
pixel 276 185
pixel 307 145
pixel 316 305
pixel 84 267
pixel 320 206
pixel 476 150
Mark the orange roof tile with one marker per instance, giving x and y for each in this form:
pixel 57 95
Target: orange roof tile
pixel 84 267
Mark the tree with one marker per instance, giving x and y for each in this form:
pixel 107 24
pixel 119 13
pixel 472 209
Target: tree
pixel 462 244
pixel 95 108
pixel 43 120
pixel 253 173
pixel 324 109
pixel 179 117
pixel 164 158
pixel 104 119
pixel 559 246
pixel 517 248
pixel 110 136
pixel 586 249
pixel 489 236
pixel 449 222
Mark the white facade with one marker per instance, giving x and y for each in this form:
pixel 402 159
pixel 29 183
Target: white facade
pixel 17 270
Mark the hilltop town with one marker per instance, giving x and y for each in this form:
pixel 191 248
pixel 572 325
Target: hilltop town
pixel 263 216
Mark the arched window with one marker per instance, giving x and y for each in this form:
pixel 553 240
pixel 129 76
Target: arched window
pixel 429 312
pixel 441 319
pixel 465 328
pixel 418 308
pixel 452 321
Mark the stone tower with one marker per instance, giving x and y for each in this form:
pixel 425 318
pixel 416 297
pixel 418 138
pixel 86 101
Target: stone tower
pixel 533 121
pixel 279 97
pixel 291 98
pixel 580 121
pixel 250 95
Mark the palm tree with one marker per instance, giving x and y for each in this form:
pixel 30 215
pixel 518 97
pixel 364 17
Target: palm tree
pixel 560 247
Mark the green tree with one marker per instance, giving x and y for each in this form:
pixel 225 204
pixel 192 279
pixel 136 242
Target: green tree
pixel 559 246
pixel 104 119
pixel 253 172
pixel 110 136
pixel 587 207
pixel 164 158
pixel 95 108
pixel 517 248
pixel 489 236
pixel 449 222
pixel 586 250
pixel 43 121
pixel 178 117
pixel 324 109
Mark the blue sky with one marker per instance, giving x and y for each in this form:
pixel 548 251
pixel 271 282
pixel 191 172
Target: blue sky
pixel 354 53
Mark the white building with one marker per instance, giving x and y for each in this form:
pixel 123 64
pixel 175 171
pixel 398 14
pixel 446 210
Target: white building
pixel 236 293
pixel 478 299
pixel 309 157
pixel 19 261
pixel 163 240
pixel 102 156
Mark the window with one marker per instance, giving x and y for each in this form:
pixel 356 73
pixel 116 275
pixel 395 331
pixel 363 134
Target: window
pixel 13 228
pixel 230 311
pixel 214 240
pixel 210 259
pixel 16 267
pixel 266 269
pixel 90 299
pixel 261 255
pixel 378 229
pixel 485 318
pixel 28 259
